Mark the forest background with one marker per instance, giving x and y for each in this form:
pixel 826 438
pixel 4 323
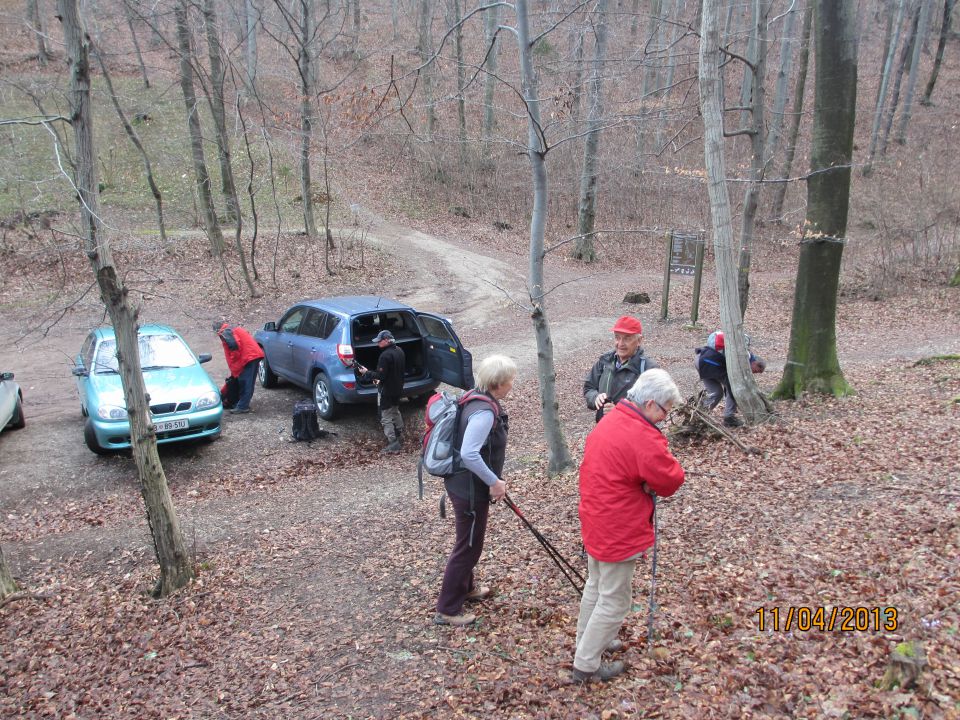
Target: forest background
pixel 315 148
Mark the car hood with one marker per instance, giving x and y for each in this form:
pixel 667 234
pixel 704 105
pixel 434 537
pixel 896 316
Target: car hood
pixel 170 385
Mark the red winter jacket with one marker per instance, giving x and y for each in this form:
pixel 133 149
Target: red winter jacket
pixel 623 451
pixel 239 347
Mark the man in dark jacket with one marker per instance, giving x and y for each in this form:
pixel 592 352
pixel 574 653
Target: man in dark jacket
pixel 389 379
pixel 243 356
pixel 616 371
pixel 712 366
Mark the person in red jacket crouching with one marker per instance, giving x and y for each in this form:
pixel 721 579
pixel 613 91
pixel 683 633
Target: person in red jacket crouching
pixel 625 461
pixel 243 358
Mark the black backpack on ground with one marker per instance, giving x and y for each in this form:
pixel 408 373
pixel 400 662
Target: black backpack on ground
pixel 305 424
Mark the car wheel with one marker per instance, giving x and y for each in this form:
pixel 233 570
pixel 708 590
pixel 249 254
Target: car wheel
pixel 327 406
pixel 268 378
pixel 90 438
pixel 83 411
pixel 18 420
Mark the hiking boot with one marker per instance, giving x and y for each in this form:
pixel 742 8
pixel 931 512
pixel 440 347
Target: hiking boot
pixel 478 593
pixel 455 620
pixel 392 449
pixel 615 645
pixel 732 421
pixel 606 671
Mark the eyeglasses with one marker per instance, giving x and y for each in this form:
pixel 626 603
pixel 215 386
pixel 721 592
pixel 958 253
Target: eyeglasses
pixel 665 412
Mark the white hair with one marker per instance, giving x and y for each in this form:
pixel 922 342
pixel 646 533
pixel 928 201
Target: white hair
pixel 494 371
pixel 656 385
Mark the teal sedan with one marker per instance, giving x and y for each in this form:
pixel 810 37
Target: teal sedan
pixel 184 402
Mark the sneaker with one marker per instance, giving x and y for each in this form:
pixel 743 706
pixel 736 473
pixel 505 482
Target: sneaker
pixel 478 593
pixel 456 620
pixel 392 449
pixel 606 671
pixel 239 411
pixel 732 421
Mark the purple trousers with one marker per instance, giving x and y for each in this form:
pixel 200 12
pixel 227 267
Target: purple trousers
pixel 458 577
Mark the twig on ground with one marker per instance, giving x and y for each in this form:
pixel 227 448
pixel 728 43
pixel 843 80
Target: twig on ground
pixel 24 595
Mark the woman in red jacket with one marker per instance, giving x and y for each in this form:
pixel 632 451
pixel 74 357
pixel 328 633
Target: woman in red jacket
pixel 625 461
pixel 243 358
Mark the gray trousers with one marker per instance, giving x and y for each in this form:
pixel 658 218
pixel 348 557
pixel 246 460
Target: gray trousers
pixel 606 601
pixel 717 390
pixel 392 422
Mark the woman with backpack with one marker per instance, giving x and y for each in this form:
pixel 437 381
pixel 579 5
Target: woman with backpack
pixel 482 442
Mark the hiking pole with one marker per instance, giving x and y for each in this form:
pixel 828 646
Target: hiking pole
pixel 568 570
pixel 653 576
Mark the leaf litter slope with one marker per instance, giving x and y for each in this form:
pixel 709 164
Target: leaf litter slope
pixel 319 568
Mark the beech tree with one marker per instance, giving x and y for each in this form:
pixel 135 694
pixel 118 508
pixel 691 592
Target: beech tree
pixel 168 540
pixel 812 363
pixel 948 6
pixel 745 390
pixel 7 583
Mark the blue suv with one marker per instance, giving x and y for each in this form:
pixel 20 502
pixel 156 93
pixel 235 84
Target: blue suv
pixel 316 345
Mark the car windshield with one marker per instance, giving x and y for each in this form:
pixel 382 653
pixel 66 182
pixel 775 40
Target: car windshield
pixel 156 352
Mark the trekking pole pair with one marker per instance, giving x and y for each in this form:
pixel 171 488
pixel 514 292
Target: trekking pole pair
pixel 568 570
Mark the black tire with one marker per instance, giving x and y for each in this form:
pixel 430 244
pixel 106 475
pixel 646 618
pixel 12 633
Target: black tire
pixel 268 378
pixel 90 438
pixel 83 411
pixel 18 420
pixel 327 405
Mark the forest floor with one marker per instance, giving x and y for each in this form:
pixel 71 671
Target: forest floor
pixel 318 568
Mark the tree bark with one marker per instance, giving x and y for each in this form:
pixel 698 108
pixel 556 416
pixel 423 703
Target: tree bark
pixel 456 17
pixel 587 207
pixel 204 196
pixel 306 113
pixel 128 15
pixel 169 544
pixel 803 63
pixel 36 26
pixel 878 113
pixel 922 25
pixel 757 144
pixel 425 50
pixel 7 583
pixel 948 6
pixel 904 66
pixel 492 21
pixel 812 363
pixel 777 114
pixel 558 455
pixel 744 387
pixel 228 187
pixel 252 17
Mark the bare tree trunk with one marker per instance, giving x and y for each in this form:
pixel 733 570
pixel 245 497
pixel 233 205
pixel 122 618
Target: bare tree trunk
pixel 558 455
pixel 228 187
pixel 775 126
pixel 744 387
pixel 36 25
pixel 812 363
pixel 803 63
pixel 587 208
pixel 395 17
pixel 306 112
pixel 679 9
pixel 135 139
pixel 128 15
pixel 171 550
pixel 753 48
pixel 204 196
pixel 252 17
pixel 492 21
pixel 651 75
pixel 7 583
pixel 425 49
pixel 757 144
pixel 904 65
pixel 948 6
pixel 922 27
pixel 577 76
pixel 455 18
pixel 878 113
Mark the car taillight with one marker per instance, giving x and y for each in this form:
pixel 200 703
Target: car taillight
pixel 345 353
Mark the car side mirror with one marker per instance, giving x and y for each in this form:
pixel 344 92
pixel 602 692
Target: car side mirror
pixel 270 326
pixel 6 376
pixel 79 371
pixel 204 357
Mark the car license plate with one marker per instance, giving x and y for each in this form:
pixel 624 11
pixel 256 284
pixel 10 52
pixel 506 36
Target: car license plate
pixel 168 425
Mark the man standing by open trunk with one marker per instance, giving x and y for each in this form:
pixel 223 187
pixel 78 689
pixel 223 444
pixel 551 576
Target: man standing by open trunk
pixel 389 379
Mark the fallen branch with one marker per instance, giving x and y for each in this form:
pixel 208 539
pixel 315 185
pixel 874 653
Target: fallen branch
pixel 24 595
pixel 691 409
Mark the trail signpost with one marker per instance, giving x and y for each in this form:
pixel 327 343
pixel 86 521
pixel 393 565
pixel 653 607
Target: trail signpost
pixel 684 256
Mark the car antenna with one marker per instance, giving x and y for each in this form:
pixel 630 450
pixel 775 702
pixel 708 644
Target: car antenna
pixel 379 298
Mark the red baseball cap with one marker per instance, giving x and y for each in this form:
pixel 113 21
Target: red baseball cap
pixel 628 325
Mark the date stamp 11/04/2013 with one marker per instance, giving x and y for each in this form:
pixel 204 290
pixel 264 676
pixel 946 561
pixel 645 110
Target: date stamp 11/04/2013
pixel 827 619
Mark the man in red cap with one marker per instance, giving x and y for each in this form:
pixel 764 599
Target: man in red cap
pixel 616 371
